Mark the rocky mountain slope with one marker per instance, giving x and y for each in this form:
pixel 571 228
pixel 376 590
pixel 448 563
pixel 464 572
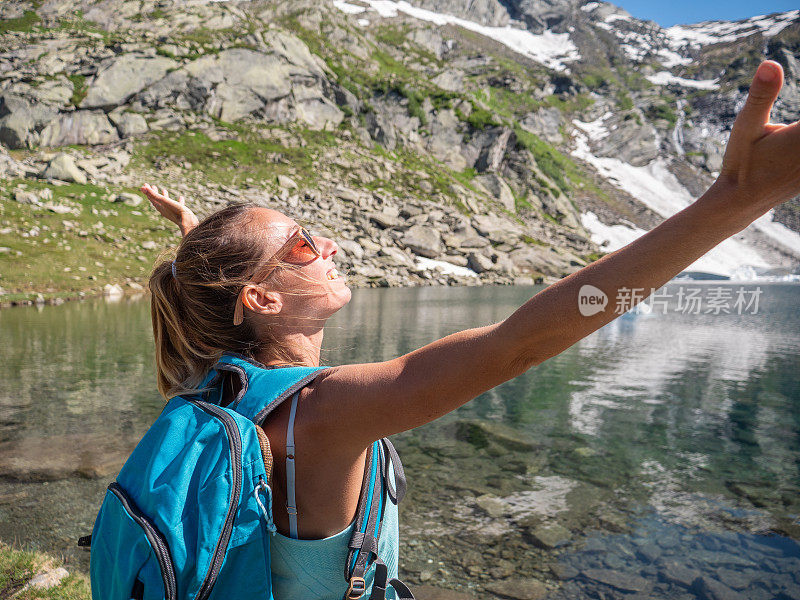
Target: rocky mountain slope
pixel 439 142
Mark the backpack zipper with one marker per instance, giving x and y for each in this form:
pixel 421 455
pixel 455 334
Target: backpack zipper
pixel 154 536
pixel 236 460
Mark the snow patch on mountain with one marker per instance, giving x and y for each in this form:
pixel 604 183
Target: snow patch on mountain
pixel 656 187
pixel 715 32
pixel 350 9
pixel 554 50
pixel 609 237
pixel 667 78
pixel 444 266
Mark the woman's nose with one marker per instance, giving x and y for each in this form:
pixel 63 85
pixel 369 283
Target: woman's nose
pixel 327 246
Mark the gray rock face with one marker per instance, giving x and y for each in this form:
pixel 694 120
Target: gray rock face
pixel 423 240
pixel 444 142
pixel 498 139
pixel 63 167
pixel 544 123
pixel 628 141
pixel 79 127
pixel 120 78
pixel 499 189
pixel 128 124
pixel 21 120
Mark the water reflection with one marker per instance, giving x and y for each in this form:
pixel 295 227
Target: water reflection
pixel 683 427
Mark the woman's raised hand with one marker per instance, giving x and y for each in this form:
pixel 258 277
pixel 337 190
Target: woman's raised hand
pixel 174 210
pixel 761 167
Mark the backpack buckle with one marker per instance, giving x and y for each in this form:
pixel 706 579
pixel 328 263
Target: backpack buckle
pixel 357 588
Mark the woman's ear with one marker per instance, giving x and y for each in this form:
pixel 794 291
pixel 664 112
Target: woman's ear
pixel 264 302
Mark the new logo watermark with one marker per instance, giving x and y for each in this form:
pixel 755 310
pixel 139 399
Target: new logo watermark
pixel 685 299
pixel 591 300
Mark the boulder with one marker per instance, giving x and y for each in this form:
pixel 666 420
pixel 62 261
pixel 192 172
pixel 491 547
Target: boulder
pixel 540 260
pixel 496 229
pixel 113 291
pixel 319 113
pixel 46 580
pixel 21 120
pixel 127 123
pixel 498 188
pixel 479 263
pixel 423 240
pixel 287 182
pixel 266 75
pixel 63 167
pixel 451 80
pixel 119 78
pixel 128 198
pixel 79 128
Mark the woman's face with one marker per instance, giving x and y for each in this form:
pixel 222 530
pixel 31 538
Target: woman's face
pixel 309 285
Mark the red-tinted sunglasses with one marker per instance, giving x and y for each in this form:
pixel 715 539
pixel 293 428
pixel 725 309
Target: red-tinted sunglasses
pixel 299 248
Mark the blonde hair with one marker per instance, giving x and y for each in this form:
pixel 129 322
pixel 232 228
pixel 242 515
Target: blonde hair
pixel 192 309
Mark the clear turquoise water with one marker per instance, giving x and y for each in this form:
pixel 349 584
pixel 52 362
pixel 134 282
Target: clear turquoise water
pixel 659 443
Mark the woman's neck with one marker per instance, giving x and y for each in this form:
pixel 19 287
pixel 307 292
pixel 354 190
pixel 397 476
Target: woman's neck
pixel 297 347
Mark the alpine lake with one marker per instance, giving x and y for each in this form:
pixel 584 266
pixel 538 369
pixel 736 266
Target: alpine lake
pixel 657 458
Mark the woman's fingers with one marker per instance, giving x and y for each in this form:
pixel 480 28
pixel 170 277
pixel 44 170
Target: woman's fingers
pixel 754 116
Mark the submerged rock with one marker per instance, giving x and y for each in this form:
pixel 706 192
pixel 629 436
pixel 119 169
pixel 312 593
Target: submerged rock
pixel 481 434
pixel 551 536
pixel 626 582
pixel 519 589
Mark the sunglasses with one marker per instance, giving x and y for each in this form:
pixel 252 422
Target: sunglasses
pixel 298 249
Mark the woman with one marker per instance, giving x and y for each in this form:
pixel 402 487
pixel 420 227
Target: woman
pixel 250 280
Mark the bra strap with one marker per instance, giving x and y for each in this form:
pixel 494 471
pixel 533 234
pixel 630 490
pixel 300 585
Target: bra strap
pixel 291 501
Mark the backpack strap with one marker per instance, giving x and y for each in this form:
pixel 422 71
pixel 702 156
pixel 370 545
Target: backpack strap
pixel 376 489
pixel 381 581
pixel 291 500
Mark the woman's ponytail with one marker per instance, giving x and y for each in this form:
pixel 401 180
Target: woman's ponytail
pixel 181 358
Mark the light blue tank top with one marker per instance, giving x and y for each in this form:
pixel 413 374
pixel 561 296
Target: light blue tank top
pixel 314 569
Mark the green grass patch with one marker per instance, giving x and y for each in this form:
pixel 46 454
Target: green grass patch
pixel 570 104
pixel 25 23
pixel 555 165
pixel 662 111
pixel 17 567
pixel 79 88
pixel 233 161
pixel 624 101
pixel 49 252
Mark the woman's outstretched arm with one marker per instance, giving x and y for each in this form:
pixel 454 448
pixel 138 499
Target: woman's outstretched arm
pixel 761 169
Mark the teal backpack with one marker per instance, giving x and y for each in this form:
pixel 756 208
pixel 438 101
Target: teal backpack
pixel 190 513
